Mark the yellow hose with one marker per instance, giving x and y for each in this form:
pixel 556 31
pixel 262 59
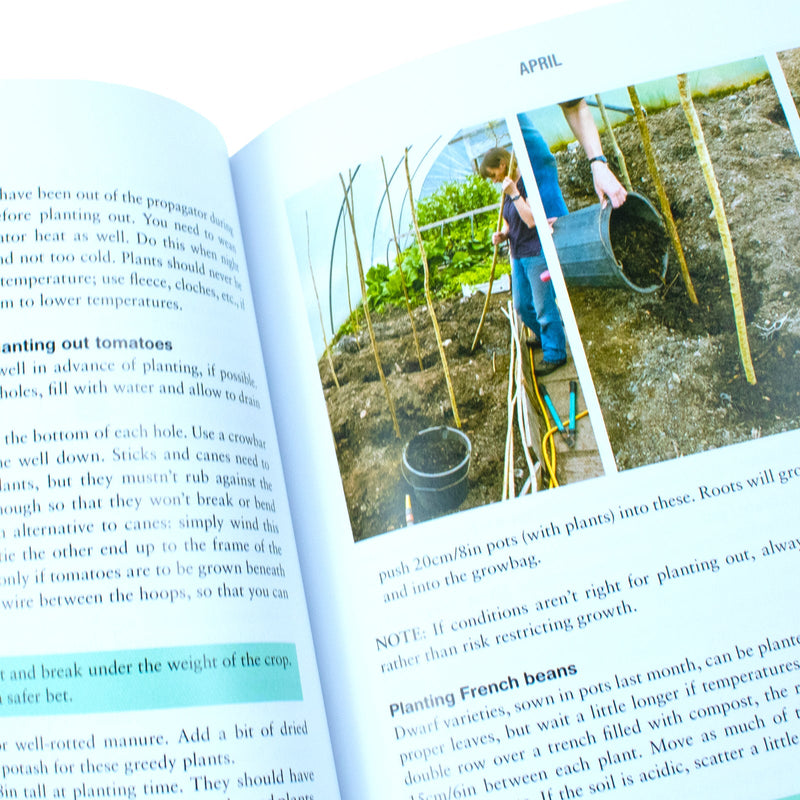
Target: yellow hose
pixel 548 437
pixel 552 460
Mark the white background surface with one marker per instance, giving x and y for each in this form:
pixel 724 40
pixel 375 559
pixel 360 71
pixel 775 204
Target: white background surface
pixel 245 64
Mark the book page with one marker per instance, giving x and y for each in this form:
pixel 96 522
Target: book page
pixel 628 629
pixel 155 635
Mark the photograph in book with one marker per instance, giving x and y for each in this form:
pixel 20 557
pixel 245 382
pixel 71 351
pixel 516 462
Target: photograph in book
pixel 691 333
pixel 426 373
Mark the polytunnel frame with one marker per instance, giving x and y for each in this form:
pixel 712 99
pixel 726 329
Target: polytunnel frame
pixel 374 227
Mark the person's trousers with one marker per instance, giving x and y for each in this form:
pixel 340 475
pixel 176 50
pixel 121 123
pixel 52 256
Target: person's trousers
pixel 535 302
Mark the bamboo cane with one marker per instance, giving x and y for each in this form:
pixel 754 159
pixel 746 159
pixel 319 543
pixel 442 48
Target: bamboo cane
pixel 428 297
pixel 400 267
pixel 365 303
pixel 347 267
pixel 522 416
pixel 508 463
pixel 722 224
pixel 623 167
pixel 511 166
pixel 319 307
pixel 522 419
pixel 662 194
pixel 353 316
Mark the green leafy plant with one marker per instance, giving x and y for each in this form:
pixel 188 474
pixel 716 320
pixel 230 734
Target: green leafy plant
pixel 458 252
pixel 377 288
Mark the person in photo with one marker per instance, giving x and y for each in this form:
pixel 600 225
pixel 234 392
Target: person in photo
pixel 534 298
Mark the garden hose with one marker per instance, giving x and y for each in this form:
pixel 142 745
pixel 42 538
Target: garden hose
pixel 548 437
pixel 549 462
pixel 548 443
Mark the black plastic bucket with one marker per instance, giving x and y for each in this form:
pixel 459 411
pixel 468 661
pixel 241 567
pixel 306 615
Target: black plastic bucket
pixel 590 245
pixel 435 465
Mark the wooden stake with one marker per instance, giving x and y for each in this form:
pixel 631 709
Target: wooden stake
pixel 319 307
pixel 511 166
pixel 365 303
pixel 722 224
pixel 508 464
pixel 623 167
pixel 662 194
pixel 400 267
pixel 429 298
pixel 516 350
pixel 353 316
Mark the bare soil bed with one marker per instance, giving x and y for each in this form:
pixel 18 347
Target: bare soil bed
pixel 370 453
pixel 668 373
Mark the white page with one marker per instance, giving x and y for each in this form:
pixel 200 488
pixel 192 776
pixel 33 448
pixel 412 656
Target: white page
pixel 612 611
pixel 155 637
pixel 74 45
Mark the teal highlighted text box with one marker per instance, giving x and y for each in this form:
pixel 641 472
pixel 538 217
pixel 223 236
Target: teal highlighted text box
pixel 141 680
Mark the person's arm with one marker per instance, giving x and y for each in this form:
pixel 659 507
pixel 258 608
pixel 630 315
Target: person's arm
pixel 500 236
pixel 580 120
pixel 514 197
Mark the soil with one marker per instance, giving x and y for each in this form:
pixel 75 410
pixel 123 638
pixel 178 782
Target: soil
pixel 369 452
pixel 668 373
pixel 790 63
pixel 435 453
pixel 638 247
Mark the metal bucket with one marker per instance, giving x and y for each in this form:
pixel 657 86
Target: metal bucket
pixel 589 246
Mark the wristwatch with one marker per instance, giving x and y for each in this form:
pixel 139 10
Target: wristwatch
pixel 598 158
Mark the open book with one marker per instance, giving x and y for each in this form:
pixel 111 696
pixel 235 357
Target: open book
pixel 230 568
